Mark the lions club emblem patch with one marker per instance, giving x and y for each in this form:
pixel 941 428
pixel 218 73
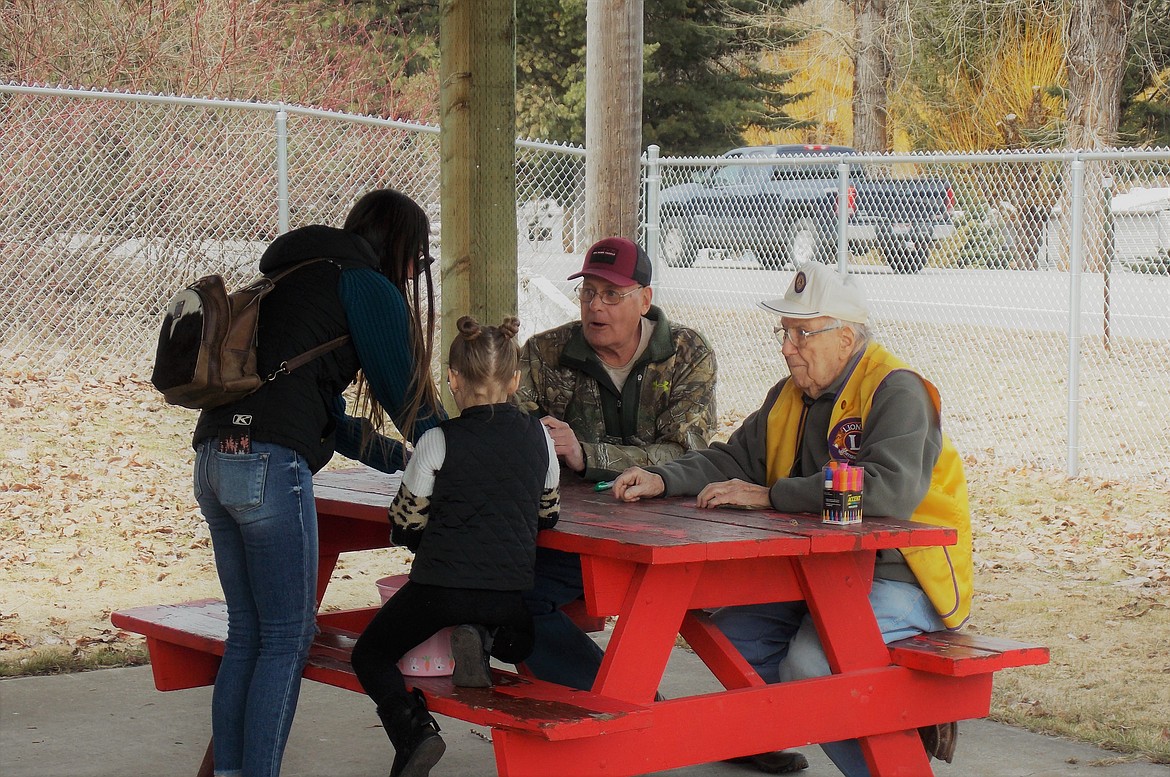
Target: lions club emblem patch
pixel 845 439
pixel 799 282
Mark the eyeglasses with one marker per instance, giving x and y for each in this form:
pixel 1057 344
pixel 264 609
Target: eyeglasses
pixel 798 336
pixel 608 296
pixel 423 262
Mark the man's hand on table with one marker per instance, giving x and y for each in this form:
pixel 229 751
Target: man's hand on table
pixel 565 441
pixel 636 483
pixel 734 493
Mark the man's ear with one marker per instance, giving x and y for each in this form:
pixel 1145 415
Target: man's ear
pixel 848 337
pixel 647 298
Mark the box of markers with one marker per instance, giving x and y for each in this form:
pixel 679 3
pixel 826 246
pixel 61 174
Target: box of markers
pixel 842 496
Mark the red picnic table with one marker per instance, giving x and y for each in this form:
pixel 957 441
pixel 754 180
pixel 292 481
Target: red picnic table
pixel 657 565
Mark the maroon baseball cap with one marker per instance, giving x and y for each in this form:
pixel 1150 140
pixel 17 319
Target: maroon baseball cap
pixel 616 260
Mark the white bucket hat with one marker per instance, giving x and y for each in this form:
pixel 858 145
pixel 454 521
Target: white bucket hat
pixel 817 290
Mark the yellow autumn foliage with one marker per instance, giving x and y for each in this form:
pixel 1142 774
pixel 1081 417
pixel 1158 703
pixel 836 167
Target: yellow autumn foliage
pixel 1002 82
pixel 968 106
pixel 821 65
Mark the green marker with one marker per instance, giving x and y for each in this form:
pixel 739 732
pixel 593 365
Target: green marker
pixel 604 485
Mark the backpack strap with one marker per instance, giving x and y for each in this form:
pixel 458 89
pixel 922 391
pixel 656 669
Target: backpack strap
pixel 288 365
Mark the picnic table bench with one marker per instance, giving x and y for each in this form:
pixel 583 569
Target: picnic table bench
pixel 186 642
pixel 657 565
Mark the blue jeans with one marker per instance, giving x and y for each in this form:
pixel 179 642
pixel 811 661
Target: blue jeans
pixel 562 652
pixel 780 641
pixel 263 521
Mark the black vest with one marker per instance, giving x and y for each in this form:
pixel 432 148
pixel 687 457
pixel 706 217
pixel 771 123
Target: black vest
pixel 481 532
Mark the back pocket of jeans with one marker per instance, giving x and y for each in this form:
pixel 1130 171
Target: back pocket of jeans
pixel 239 480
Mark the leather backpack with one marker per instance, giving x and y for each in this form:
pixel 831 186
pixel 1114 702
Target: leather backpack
pixel 206 353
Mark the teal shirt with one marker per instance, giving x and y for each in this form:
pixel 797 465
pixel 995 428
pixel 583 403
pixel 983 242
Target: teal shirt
pixel 379 325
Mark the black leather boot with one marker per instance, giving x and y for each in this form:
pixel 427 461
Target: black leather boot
pixel 415 736
pixel 470 647
pixel 940 740
pixel 776 762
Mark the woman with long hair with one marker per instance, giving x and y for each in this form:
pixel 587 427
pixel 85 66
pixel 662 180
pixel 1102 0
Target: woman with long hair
pixel 255 457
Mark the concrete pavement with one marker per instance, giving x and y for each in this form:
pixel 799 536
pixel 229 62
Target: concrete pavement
pixel 112 723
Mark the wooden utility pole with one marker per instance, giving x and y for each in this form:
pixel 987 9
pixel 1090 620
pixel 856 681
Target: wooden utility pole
pixel 613 117
pixel 477 74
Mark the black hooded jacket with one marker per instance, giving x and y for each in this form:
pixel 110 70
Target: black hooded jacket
pixel 303 311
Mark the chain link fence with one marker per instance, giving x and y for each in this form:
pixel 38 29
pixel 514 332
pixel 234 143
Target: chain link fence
pixel 1030 287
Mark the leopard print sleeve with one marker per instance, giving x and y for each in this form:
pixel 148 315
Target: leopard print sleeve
pixel 408 517
pixel 550 508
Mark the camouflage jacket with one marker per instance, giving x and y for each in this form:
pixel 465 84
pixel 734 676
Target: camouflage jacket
pixel 665 408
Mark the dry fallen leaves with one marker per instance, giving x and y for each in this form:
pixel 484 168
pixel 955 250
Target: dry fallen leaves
pixel 95 495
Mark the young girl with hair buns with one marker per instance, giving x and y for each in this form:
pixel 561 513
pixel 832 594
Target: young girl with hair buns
pixel 474 495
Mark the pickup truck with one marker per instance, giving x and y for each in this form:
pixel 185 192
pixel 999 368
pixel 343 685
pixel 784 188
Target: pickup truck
pixel 788 212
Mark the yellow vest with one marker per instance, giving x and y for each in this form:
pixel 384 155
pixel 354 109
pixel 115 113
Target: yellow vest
pixel 945 573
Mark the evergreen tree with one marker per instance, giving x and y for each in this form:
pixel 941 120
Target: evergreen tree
pixel 1145 91
pixel 703 80
pixel 550 69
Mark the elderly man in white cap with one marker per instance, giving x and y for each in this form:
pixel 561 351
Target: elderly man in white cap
pixel 846 399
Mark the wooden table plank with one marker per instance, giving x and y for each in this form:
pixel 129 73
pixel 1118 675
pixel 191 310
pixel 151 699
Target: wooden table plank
pixel 675 530
pixel 654 530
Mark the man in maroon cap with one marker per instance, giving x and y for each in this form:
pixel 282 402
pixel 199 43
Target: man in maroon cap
pixel 621 387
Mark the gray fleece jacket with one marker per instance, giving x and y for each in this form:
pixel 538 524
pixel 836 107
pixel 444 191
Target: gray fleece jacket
pixel 900 445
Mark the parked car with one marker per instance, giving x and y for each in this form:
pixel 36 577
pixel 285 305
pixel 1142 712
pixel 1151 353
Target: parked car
pixel 788 212
pixel 1141 229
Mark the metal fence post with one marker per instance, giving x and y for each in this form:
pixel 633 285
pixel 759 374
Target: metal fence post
pixel 652 225
pixel 843 217
pixel 1110 257
pixel 281 170
pixel 1076 260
